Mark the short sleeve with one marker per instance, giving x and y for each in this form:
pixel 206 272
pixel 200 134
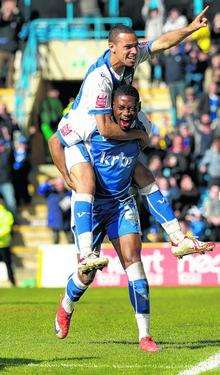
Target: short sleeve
pixel 66 132
pixel 100 95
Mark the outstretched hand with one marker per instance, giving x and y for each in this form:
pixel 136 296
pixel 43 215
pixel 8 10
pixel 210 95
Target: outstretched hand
pixel 200 21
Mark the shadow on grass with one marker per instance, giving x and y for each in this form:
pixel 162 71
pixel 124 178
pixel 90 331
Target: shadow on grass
pixel 189 345
pixel 17 362
pixel 22 303
pixel 73 358
pixel 121 342
pixel 165 344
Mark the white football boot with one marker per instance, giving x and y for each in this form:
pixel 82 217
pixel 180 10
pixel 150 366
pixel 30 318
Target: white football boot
pixel 190 245
pixel 91 262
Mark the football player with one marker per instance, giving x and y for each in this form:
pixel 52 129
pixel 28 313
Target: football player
pixel 115 214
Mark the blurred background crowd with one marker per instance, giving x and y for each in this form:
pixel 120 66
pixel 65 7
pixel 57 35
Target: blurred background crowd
pixel 184 156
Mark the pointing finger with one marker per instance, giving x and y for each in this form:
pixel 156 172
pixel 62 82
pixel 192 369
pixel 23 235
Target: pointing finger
pixel 204 11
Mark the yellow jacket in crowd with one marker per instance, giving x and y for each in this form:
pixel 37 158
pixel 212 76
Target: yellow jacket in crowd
pixel 6 222
pixel 202 38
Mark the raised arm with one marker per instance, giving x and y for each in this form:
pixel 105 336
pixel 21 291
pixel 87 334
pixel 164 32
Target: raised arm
pixel 173 38
pixel 58 156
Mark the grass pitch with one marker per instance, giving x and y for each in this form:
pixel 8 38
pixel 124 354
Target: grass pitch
pixel 103 335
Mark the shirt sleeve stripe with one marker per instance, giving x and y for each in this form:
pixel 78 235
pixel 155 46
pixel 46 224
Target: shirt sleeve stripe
pixel 59 136
pixel 100 111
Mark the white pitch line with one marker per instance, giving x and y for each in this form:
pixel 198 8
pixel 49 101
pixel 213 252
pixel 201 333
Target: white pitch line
pixel 210 363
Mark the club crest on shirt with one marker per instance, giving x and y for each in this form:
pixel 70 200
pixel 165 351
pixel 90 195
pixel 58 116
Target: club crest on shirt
pixel 65 130
pixel 101 101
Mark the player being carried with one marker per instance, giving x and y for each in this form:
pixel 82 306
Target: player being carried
pixel 91 110
pixel 115 214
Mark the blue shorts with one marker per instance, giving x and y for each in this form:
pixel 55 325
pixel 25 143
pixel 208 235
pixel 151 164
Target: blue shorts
pixel 115 219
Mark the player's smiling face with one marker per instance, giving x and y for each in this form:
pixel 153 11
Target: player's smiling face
pixel 125 109
pixel 125 49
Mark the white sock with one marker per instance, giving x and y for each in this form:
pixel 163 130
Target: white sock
pixel 143 323
pixel 67 303
pixel 174 231
pixel 136 272
pixel 85 240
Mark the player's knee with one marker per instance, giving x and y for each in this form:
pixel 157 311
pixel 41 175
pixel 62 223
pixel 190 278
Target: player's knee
pixel 131 259
pixel 84 179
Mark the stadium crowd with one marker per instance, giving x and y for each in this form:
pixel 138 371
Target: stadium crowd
pixel 185 158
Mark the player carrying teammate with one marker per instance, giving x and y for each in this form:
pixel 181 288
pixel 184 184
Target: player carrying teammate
pixel 115 214
pixel 92 110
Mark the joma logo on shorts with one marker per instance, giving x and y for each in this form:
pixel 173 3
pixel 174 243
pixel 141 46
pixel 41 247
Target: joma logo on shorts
pixel 121 159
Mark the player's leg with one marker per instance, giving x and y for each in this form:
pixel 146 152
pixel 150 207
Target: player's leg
pixel 128 248
pixel 82 176
pixel 124 232
pixel 77 284
pixel 163 213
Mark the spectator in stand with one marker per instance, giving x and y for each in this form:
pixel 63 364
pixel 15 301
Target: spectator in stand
pixel 189 196
pixel 190 106
pixel 155 165
pixel 212 73
pixel 187 139
pixel 216 127
pixel 20 170
pixel 174 21
pixel 202 38
pixel 173 168
pixel 215 32
pixel 212 212
pixel 11 22
pixel 174 63
pixel 210 102
pixel 154 148
pixel 203 135
pixel 168 191
pixel 196 222
pixel 89 8
pixel 6 186
pixel 6 223
pixel 7 126
pixel 153 16
pixel 50 113
pixel 36 153
pixel 195 68
pixel 58 204
pixel 180 151
pixel 210 163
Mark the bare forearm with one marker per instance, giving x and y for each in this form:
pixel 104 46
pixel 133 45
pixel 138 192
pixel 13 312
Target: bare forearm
pixel 115 132
pixel 170 39
pixel 173 38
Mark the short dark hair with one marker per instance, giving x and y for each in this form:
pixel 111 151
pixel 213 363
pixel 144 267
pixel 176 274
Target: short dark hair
pixel 126 90
pixel 118 29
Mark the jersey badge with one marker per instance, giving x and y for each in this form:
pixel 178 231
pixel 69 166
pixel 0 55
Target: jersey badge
pixel 65 130
pixel 101 101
